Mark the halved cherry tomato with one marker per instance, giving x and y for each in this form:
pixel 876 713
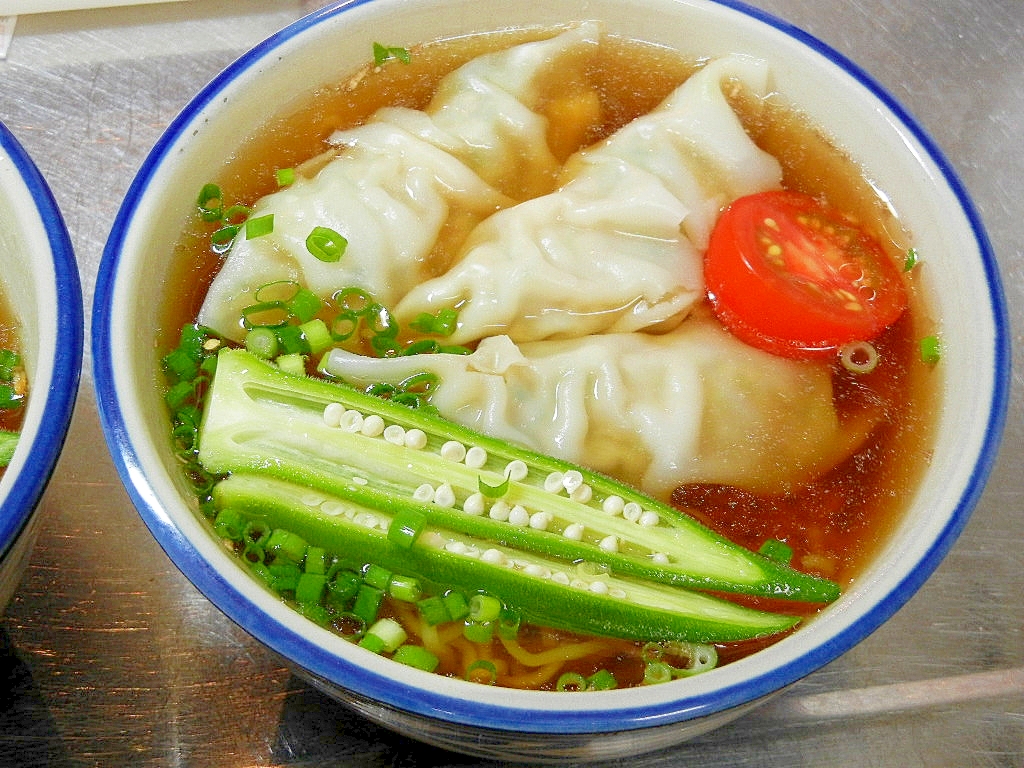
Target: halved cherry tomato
pixel 790 275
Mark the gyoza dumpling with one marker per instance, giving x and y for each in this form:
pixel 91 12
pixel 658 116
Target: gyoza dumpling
pixel 618 247
pixel 396 181
pixel 691 405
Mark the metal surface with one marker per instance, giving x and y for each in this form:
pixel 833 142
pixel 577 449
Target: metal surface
pixel 109 657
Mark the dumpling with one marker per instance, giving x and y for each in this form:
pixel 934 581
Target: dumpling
pixel 396 182
pixel 618 246
pixel 691 405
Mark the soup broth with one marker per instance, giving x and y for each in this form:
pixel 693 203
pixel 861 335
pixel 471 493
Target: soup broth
pixel 834 524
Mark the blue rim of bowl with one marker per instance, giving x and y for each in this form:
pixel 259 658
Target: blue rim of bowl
pixel 432 704
pixel 27 488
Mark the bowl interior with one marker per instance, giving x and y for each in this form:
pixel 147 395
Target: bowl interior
pixel 863 120
pixel 42 289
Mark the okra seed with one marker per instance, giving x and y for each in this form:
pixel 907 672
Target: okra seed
pixel 444 496
pixel 518 515
pixel 416 439
pixel 553 482
pixel 617 592
pixel 499 511
pixel 599 588
pixel 573 532
pixel 332 508
pixel 494 557
pixel 351 421
pixel 455 547
pixel 609 544
pixel 516 470
pixel 579 584
pixel 533 569
pixel 649 519
pixel 560 578
pixel 572 480
pixel 613 505
pixel 395 434
pixel 424 493
pixel 660 558
pixel 360 480
pixel 540 521
pixel 373 426
pixel 474 504
pixel 453 450
pixel 476 457
pixel 333 413
pixel 632 511
pixel 583 494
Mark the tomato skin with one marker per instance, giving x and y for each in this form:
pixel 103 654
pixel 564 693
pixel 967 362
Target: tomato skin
pixel 790 275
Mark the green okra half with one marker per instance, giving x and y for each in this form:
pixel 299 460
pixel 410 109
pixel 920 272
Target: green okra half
pixel 446 484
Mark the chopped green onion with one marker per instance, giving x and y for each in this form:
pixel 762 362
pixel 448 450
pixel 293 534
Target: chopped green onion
pixel 254 553
pixel 292 340
pixel 776 550
pixel 285 176
pixel 310 588
pixel 457 605
pixel 260 226
pixel 222 239
pixel 482 671
pixel 292 363
pixel 262 342
pixel 377 576
pixel 602 680
pixel 657 672
pixel 406 527
pixel 387 633
pixel 433 610
pixel 210 202
pixel 478 632
pixel 416 656
pixel 257 532
pixel 325 244
pixel 349 626
pixel 493 491
pixel 343 587
pixel 287 545
pixel 352 299
pixel 236 214
pixel 367 602
pixel 859 357
pixel 265 314
pixel 484 608
pixel 931 350
pixel 304 304
pixel 229 524
pixel 317 336
pixel 316 561
pixel 571 682
pixel 508 624
pixel 382 53
pixel 405 588
pixel 912 259
pixel 8 443
pixel 444 323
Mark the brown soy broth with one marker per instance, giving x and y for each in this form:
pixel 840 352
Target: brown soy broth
pixel 835 524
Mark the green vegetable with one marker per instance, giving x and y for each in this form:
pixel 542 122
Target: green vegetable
pixel 931 350
pixel 382 53
pixel 342 484
pixel 8 442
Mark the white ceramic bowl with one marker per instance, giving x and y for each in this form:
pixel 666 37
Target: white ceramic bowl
pixel 39 279
pixel 537 726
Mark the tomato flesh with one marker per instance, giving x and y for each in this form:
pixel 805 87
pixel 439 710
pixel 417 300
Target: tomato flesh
pixel 793 276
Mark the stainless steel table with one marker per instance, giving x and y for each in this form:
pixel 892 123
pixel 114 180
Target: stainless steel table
pixel 109 657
